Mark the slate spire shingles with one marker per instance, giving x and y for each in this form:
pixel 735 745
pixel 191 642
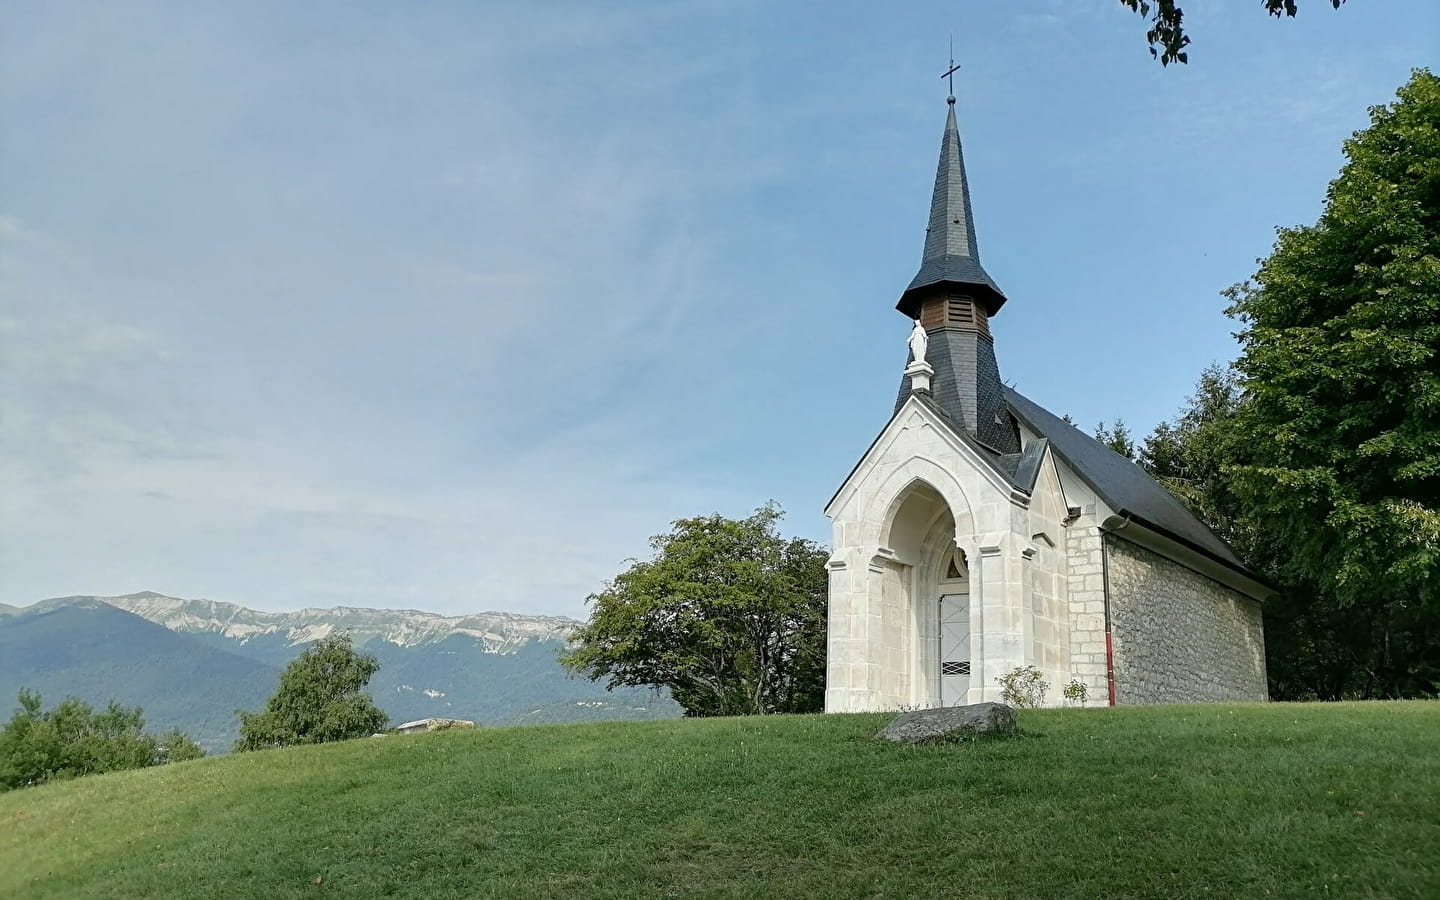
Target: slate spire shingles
pixel 952 224
pixel 952 255
pixel 966 383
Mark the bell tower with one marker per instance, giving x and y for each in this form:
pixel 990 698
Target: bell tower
pixel 953 298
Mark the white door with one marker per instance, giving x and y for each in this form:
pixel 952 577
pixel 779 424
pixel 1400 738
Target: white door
pixel 954 649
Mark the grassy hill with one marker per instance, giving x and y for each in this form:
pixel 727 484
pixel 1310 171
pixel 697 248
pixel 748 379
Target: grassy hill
pixel 1190 801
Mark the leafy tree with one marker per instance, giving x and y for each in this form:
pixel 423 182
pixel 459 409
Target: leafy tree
pixel 1188 454
pixel 176 746
pixel 320 699
pixel 1318 457
pixel 1167 36
pixel 1315 649
pixel 72 739
pixel 1341 367
pixel 1117 437
pixel 727 614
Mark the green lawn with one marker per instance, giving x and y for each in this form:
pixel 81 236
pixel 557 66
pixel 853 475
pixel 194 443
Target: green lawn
pixel 1279 800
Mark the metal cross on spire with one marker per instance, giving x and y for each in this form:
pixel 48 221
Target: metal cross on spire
pixel 950 73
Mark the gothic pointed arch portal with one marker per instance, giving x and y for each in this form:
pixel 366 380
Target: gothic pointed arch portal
pixel 925 610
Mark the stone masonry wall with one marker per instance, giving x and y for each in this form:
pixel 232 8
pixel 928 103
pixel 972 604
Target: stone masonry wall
pixel 1087 608
pixel 1179 636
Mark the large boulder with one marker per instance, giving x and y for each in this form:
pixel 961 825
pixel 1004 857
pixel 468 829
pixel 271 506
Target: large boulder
pixel 949 722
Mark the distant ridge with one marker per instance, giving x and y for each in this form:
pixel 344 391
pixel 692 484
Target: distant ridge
pixel 489 667
pixel 496 632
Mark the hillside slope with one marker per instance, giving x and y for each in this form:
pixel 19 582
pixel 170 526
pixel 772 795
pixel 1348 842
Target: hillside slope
pixel 99 653
pixel 451 680
pixel 1175 802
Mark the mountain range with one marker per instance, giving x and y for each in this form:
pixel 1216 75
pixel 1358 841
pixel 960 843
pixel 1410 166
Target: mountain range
pixel 191 663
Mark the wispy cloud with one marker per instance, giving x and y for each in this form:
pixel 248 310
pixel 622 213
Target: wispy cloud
pixel 230 374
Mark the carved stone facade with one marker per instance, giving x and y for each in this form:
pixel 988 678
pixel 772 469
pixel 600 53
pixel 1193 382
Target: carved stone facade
pixel 1180 636
pixel 921 493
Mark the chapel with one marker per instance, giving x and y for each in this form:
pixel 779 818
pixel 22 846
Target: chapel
pixel 981 533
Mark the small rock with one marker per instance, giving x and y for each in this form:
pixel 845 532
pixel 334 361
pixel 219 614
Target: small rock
pixel 924 725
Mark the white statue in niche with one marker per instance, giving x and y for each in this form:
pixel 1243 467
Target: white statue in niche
pixel 919 342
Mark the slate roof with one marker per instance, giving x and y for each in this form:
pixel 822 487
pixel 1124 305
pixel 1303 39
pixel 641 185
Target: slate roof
pixel 1123 485
pixel 951 255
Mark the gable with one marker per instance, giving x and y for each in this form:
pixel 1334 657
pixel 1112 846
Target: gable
pixel 914 416
pixel 1049 507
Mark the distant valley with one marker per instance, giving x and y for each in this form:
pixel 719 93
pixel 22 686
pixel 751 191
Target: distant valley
pixel 191 663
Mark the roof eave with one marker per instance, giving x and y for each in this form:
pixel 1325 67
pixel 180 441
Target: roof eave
pixel 1256 587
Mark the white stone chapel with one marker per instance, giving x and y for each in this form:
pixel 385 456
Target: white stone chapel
pixel 980 532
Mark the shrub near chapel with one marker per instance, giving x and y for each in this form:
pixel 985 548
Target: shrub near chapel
pixel 1024 687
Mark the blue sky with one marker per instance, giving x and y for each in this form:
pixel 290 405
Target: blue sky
pixel 452 305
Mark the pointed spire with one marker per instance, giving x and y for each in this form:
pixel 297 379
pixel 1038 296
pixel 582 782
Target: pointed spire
pixel 952 256
pixel 952 225
pixel 952 299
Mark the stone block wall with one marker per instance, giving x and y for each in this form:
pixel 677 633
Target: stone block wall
pixel 1086 593
pixel 1048 562
pixel 1179 636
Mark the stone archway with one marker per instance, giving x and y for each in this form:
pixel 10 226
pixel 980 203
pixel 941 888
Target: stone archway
pixel 917 548
pixel 883 634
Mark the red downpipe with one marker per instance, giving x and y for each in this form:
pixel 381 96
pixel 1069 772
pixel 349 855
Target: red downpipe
pixel 1109 661
pixel 1109 640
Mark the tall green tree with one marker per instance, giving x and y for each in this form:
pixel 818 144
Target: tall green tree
pixel 1117 437
pixel 727 614
pixel 72 739
pixel 1189 454
pixel 1321 463
pixel 321 698
pixel 1341 368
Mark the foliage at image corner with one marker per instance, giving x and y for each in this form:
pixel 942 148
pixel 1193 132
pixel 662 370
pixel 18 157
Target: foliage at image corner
pixel 320 699
pixel 72 739
pixel 1167 36
pixel 727 614
pixel 1317 454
